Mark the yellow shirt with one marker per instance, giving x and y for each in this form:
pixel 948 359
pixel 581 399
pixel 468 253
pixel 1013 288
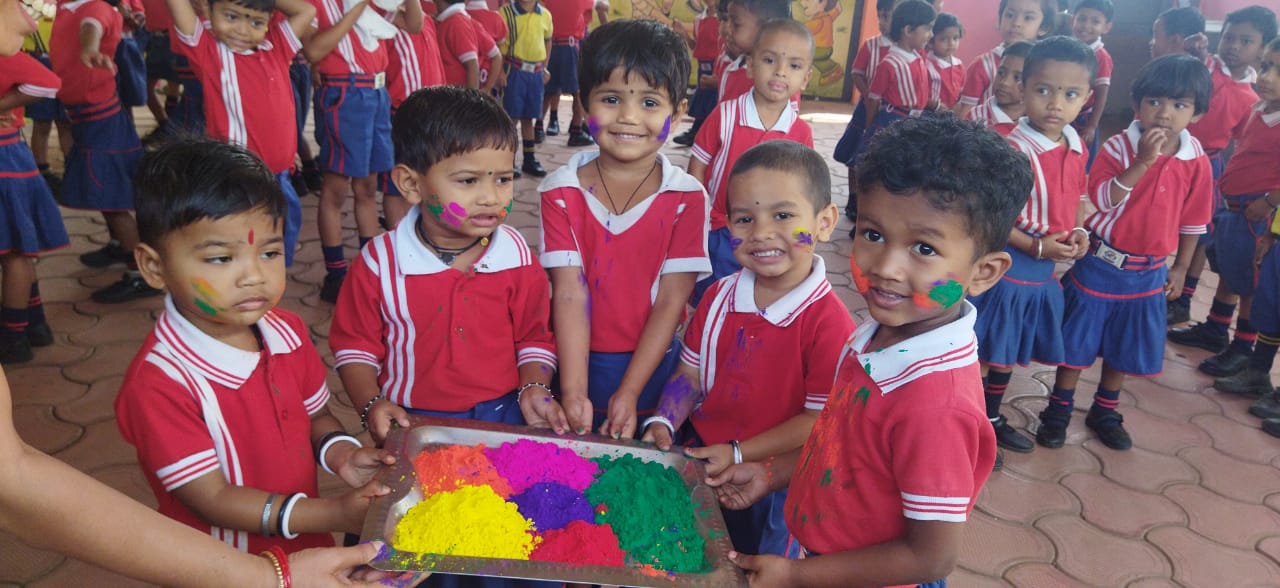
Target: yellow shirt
pixel 529 32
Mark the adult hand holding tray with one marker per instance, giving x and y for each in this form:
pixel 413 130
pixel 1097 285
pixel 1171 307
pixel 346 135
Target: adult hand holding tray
pixel 439 434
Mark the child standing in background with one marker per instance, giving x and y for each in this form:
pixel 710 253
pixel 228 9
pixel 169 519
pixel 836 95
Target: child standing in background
pixel 745 19
pixel 947 32
pixel 1178 30
pixel 902 87
pixel 1091 21
pixel 624 232
pixel 1020 20
pixel 1005 106
pixel 862 73
pixel 526 50
pixel 707 48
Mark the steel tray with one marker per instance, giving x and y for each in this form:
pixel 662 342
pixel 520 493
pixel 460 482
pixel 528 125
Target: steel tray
pixel 385 512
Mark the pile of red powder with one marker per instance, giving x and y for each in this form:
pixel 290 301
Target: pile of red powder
pixel 581 543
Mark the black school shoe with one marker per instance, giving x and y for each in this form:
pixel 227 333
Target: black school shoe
pixel 1052 432
pixel 1271 427
pixel 1228 363
pixel 39 334
pixel 130 287
pixel 539 133
pixel 553 127
pixel 111 253
pixel 1109 426
pixel 331 287
pixel 533 168
pixel 14 347
pixel 684 139
pixel 1177 312
pixel 1267 407
pixel 1249 382
pixel 580 139
pixel 1202 335
pixel 1009 437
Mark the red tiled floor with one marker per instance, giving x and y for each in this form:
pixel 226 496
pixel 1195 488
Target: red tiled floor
pixel 1200 562
pixel 1097 557
pixel 1120 510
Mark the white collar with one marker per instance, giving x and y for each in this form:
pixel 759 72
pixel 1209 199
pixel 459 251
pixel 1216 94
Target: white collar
pixel 749 115
pixel 997 113
pixel 788 308
pixel 507 250
pixel 910 56
pixel 1043 143
pixel 73 6
pixel 477 5
pixel 999 50
pixel 1188 147
pixel 882 40
pixel 1250 74
pixel 947 347
pixel 1270 119
pixel 214 359
pixel 1096 45
pixel 674 179
pixel 452 10
pixel 954 61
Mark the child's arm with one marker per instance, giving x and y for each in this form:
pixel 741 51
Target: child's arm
pixel 409 18
pixel 91 47
pixel 742 485
pixel 300 12
pixel 705 146
pixel 14 99
pixel 321 44
pixel 1149 148
pixel 1095 118
pixel 473 73
pixel 787 436
pixel 1178 271
pixel 185 20
pixel 495 73
pixel 342 454
pixel 229 506
pixel 679 396
pixel 535 350
pixel 860 82
pixel 571 324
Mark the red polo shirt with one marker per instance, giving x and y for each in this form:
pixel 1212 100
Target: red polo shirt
pixel 29 77
pixel 80 83
pixel 1229 107
pixel 977 80
pixel 1059 179
pixel 902 80
pixel 349 56
pixel 1255 165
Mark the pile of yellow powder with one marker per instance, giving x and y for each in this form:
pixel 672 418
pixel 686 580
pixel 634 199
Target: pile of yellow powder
pixel 472 521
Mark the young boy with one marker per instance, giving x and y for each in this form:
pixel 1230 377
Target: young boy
pixel 895 462
pixel 526 50
pixel 569 22
pixel 624 232
pixel 1153 189
pixel 862 73
pixel 903 86
pixel 1092 20
pixel 459 47
pixel 1229 249
pixel 745 19
pixel 226 399
pixel 759 356
pixel 1002 110
pixel 243 53
pixel 447 314
pixel 779 67
pixel 1020 20
pixel 1177 31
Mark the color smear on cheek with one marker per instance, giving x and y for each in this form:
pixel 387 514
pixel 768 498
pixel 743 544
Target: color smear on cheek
pixel 804 239
pixel 860 280
pixel 205 296
pixel 593 126
pixel 455 214
pixel 507 209
pixel 666 130
pixel 433 206
pixel 734 243
pixel 941 295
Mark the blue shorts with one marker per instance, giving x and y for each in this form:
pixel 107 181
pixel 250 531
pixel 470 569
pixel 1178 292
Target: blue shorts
pixel 604 375
pixel 45 109
pixel 523 97
pixel 723 263
pixel 292 216
pixel 353 127
pixel 1115 314
pixel 1216 164
pixel 1020 318
pixel 160 57
pixel 704 99
pixel 1265 312
pixel 562 64
pixel 104 155
pixel 1234 241
pixel 188 115
pixel 300 77
pixel 30 222
pixel 847 147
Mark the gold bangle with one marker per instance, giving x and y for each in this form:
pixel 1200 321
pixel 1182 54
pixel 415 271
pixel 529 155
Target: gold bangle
pixel 275 563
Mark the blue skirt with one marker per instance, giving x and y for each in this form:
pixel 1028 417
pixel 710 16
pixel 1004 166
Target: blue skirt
pixel 1231 251
pixel 1020 318
pixel 847 146
pixel 45 109
pixel 99 171
pixel 883 119
pixel 1265 312
pixel 604 375
pixel 30 222
pixel 1115 314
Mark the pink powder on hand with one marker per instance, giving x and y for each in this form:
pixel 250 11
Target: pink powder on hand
pixel 525 463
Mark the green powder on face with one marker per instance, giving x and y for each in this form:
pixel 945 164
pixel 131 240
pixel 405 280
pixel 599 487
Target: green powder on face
pixel 649 508
pixel 471 521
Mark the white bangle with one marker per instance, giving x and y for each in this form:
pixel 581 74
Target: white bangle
pixel 285 512
pixel 664 421
pixel 1122 187
pixel 737 451
pixel 520 392
pixel 1086 232
pixel 324 449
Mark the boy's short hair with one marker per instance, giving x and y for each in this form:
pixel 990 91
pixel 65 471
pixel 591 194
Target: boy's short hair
pixel 1060 48
pixel 910 13
pixel 959 166
pixel 766 9
pixel 785 25
pixel 1106 7
pixel 643 47
pixel 791 157
pixel 1020 49
pixel 1049 8
pixel 1183 22
pixel 1260 17
pixel 191 179
pixel 259 5
pixel 1174 76
pixel 946 20
pixel 883 6
pixel 442 121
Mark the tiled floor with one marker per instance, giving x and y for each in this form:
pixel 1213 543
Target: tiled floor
pixel 1195 503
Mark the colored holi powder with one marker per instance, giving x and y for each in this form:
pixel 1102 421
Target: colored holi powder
pixel 666 130
pixel 524 463
pixel 454 215
pixel 433 206
pixel 649 509
pixel 804 239
pixel 946 293
pixel 593 126
pixel 205 295
pixel 506 210
pixel 452 467
pixel 860 280
pixel 734 243
pixel 553 506
pixel 581 543
pixel 471 521
pixel 251 236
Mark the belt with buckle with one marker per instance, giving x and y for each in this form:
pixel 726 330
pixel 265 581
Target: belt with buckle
pixel 915 112
pixel 526 66
pixel 375 81
pixel 1121 260
pixel 570 42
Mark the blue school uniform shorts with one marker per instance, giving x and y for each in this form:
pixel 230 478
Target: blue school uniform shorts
pixel 292 215
pixel 353 125
pixel 1020 318
pixel 1265 312
pixel 723 263
pixel 523 97
pixel 704 99
pixel 104 155
pixel 1217 165
pixel 883 119
pixel 30 222
pixel 562 64
pixel 300 79
pixel 1235 238
pixel 851 140
pixel 1116 314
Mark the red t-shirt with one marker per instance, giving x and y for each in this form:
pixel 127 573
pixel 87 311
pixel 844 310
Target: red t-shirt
pixel 623 257
pixel 1255 165
pixel 80 83
pixel 1229 107
pixel 904 436
pixel 730 130
pixel 414 63
pixel 488 18
pixel 349 56
pixel 30 78
pixel 265 123
pixel 950 79
pixel 992 116
pixel 902 80
pixel 442 339
pixel 569 18
pixel 869 55
pixel 706 37
pixel 193 405
pixel 159 19
pixel 1059 178
pixel 978 78
pixel 1174 197
pixel 458 43
pixel 1103 78
pixel 759 367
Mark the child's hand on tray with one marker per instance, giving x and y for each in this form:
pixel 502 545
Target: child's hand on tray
pixel 717 457
pixel 362 464
pixel 658 435
pixel 541 410
pixel 740 486
pixel 577 408
pixel 355 504
pixel 764 571
pixel 382 415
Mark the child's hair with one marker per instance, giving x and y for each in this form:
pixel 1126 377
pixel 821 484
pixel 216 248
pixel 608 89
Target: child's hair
pixel 1060 48
pixel 1260 17
pixel 959 166
pixel 766 9
pixel 442 121
pixel 785 25
pixel 1020 49
pixel 259 5
pixel 1274 45
pixel 944 21
pixel 1174 76
pixel 1107 9
pixel 1183 22
pixel 1048 8
pixel 192 179
pixel 883 6
pixel 646 48
pixel 910 13
pixel 791 157
pixel 722 11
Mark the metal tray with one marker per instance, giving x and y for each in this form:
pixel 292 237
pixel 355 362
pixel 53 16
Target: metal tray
pixel 385 512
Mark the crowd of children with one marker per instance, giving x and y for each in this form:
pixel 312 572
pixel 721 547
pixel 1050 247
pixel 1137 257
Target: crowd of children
pixel 691 308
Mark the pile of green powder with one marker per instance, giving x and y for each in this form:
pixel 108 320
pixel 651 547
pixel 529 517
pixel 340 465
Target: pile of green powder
pixel 649 508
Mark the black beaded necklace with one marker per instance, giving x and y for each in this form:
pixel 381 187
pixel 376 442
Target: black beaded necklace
pixel 448 255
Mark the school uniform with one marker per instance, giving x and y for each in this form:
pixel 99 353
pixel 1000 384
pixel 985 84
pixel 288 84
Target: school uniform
pixel 30 222
pixel 1250 174
pixel 488 18
pixel 1100 80
pixel 160 64
pixel 414 64
pixel 569 20
pixel 193 406
pixel 706 51
pixel 1114 295
pixel 903 87
pixel 1020 318
pixel 978 78
pixel 865 63
pixel 1264 313
pixel 950 78
pixel 266 124
pixel 993 117
pixel 1229 108
pixel 623 258
pixel 526 55
pixel 458 43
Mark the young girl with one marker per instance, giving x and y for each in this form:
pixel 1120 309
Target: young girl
pixel 902 86
pixel 947 32
pixel 1020 20
pixel 29 219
